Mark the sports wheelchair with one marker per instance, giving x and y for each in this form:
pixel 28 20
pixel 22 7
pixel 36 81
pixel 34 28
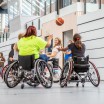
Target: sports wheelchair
pixel 56 69
pixel 30 71
pixel 82 70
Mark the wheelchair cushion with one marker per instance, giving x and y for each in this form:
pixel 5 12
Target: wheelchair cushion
pixel 81 64
pixel 27 62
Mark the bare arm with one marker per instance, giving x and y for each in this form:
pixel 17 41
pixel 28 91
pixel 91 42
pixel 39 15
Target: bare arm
pixel 53 54
pixel 63 49
pixel 50 37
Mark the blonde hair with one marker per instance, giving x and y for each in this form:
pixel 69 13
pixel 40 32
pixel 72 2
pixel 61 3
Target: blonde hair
pixel 59 41
pixel 15 45
pixel 20 36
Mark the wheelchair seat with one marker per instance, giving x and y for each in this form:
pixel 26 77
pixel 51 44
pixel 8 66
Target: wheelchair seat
pixel 81 64
pixel 26 62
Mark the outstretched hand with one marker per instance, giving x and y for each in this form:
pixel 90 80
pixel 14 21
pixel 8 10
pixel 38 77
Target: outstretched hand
pixel 59 49
pixel 50 37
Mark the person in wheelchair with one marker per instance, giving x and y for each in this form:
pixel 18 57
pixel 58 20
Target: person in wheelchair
pixel 77 49
pixel 29 47
pixel 54 59
pixel 79 65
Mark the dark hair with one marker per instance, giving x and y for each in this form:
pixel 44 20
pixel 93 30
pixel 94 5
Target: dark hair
pixel 12 46
pixel 31 30
pixel 1 54
pixel 77 41
pixel 3 59
pixel 76 37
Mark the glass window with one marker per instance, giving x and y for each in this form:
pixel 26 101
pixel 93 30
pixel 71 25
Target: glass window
pixel 26 7
pixel 92 5
pixel 68 2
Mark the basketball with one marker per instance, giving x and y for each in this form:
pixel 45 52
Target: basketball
pixel 59 21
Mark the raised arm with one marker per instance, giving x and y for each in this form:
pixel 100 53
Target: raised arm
pixel 50 37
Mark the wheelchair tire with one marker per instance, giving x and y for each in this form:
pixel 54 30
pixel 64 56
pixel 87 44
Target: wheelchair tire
pixel 97 81
pixel 64 74
pixel 41 66
pixel 12 71
pixel 4 71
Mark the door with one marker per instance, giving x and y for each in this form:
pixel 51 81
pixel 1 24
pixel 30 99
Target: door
pixel 67 35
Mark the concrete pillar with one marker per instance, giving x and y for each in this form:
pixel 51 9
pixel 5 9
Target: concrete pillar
pixel 2 22
pixel 80 8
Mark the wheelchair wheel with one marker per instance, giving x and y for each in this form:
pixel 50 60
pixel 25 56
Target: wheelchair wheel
pixel 11 75
pixel 93 75
pixel 64 75
pixel 4 71
pixel 44 73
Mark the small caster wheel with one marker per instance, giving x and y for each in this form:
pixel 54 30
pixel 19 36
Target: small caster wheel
pixel 66 85
pixel 83 85
pixel 22 86
pixel 77 84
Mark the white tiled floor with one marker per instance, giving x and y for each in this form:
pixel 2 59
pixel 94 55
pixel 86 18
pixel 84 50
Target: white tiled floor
pixel 56 95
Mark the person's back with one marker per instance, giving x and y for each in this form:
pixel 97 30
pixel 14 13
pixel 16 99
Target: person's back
pixel 77 48
pixel 30 44
pixel 76 51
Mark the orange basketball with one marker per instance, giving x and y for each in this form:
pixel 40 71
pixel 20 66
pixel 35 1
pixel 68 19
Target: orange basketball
pixel 59 21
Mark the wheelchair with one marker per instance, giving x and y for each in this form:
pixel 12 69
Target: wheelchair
pixel 30 71
pixel 79 69
pixel 56 69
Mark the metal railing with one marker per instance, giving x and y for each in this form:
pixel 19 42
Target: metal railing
pixel 4 37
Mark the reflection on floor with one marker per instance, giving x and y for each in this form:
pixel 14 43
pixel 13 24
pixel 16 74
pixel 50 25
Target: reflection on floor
pixel 56 95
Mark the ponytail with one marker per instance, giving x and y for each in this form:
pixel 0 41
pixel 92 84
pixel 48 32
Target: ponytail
pixel 78 44
pixel 77 41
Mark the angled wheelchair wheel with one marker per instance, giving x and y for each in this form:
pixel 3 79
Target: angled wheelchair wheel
pixel 66 72
pixel 4 71
pixel 11 75
pixel 93 74
pixel 44 74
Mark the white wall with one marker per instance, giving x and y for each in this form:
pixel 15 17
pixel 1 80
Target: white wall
pixel 91 28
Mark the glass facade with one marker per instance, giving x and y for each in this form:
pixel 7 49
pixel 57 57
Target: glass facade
pixel 92 5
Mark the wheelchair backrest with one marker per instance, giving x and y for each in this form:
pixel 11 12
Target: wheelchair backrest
pixel 26 62
pixel 81 60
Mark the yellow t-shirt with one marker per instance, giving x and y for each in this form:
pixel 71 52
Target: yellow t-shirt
pixel 31 45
